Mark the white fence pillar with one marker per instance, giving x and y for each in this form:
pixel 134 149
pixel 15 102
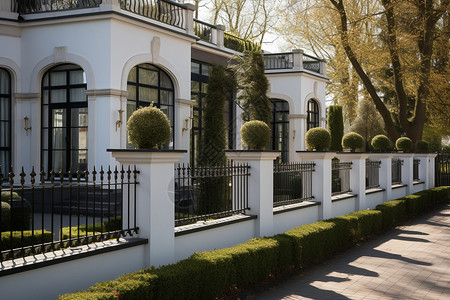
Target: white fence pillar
pixel 189 18
pixel 407 170
pixel 155 210
pixel 321 179
pixel 385 179
pixel 260 186
pixel 357 176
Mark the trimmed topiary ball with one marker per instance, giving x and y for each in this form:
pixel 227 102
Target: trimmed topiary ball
pixel 318 138
pixel 353 141
pixel 6 213
pixel 421 146
pixel 381 143
pixel 403 144
pixel 255 134
pixel 148 128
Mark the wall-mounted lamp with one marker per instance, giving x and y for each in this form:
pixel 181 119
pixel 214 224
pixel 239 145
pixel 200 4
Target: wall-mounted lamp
pixel 187 125
pixel 119 122
pixel 26 124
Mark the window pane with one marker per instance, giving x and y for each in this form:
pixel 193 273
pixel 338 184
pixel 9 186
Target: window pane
pixel 4 109
pixel 168 111
pixel 78 95
pixel 58 96
pixel 148 94
pixel 57 78
pixel 4 162
pixel 59 118
pixel 77 77
pixel 78 160
pixel 166 97
pixel 59 161
pixel 59 138
pixel 79 117
pixel 44 116
pixel 131 92
pixel 44 96
pixel 195 86
pixel 4 134
pixel 79 138
pixel 165 81
pixel 5 82
pixel 45 139
pixel 195 68
pixel 148 77
pixel 132 75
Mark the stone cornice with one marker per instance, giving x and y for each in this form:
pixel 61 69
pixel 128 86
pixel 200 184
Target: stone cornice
pixel 185 102
pixel 297 116
pixel 27 97
pixel 146 156
pixel 315 155
pixel 107 92
pixel 251 155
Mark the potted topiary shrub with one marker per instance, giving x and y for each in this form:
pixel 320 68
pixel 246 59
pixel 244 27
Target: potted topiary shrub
pixel 148 128
pixel 381 143
pixel 318 139
pixel 403 144
pixel 421 146
pixel 255 134
pixel 352 141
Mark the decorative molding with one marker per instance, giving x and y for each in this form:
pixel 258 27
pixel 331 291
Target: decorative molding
pixel 146 156
pixel 251 155
pixel 297 116
pixel 155 46
pixel 60 54
pixel 185 102
pixel 107 92
pixel 19 97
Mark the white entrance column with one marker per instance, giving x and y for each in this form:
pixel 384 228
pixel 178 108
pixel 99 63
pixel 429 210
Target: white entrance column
pixel 260 186
pixel 357 176
pixel 321 179
pixel 155 210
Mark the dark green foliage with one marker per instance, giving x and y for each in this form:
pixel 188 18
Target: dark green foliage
pixel 238 44
pixel 421 146
pixel 6 213
pixel 336 127
pixel 403 144
pixel 20 212
pixel 317 139
pixel 148 128
pixel 208 274
pixel 353 141
pixel 28 238
pixel 381 143
pixel 255 134
pixel 253 86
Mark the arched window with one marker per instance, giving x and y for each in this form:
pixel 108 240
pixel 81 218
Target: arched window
pixel 312 115
pixel 64 119
pixel 280 128
pixel 5 121
pixel 147 84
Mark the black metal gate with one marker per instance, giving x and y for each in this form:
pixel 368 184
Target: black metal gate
pixel 442 169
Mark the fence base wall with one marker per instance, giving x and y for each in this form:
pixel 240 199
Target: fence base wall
pixel 287 220
pixel 66 277
pixel 343 207
pixel 398 192
pixel 373 199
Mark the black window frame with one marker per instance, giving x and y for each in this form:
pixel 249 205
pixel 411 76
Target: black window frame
pixel 68 106
pixel 8 148
pixel 141 103
pixel 280 106
pixel 313 114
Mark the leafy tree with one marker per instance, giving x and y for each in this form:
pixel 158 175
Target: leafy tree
pixel 368 122
pixel 336 127
pixel 253 87
pixel 397 48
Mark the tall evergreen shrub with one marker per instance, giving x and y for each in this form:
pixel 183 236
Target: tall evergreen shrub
pixel 253 87
pixel 336 127
pixel 213 191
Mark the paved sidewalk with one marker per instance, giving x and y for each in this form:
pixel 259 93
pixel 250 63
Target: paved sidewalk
pixel 409 262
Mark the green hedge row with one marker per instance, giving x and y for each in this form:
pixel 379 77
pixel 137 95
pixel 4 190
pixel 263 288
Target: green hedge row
pixel 208 274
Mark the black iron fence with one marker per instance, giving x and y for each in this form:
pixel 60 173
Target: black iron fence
pixel 292 183
pixel 46 212
pixel 210 192
pixel 166 11
pixel 311 63
pixel 340 177
pixel 397 171
pixel 372 174
pixel 416 163
pixel 34 6
pixel 278 61
pixel 442 169
pixel 204 30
